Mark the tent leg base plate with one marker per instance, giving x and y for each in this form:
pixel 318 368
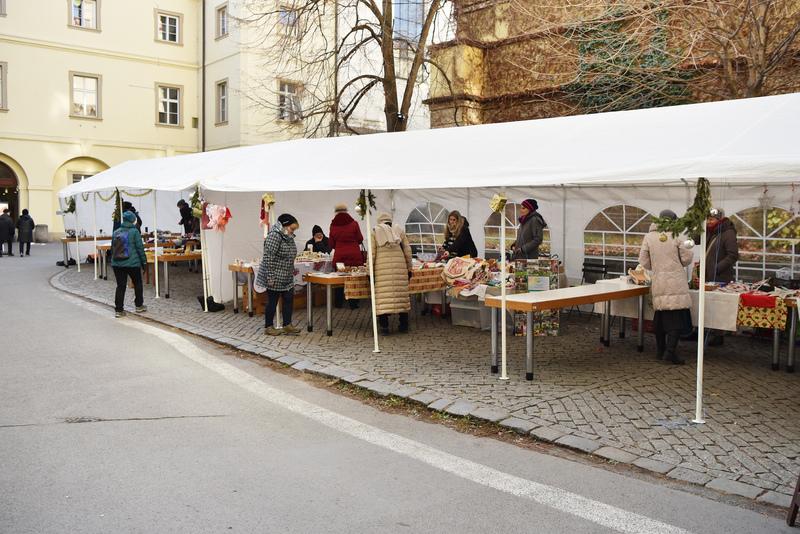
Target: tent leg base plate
pixel 528 376
pixel 329 333
pixel 495 369
pixel 776 367
pixel 790 368
pixel 640 348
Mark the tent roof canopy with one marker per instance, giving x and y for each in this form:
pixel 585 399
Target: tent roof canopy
pixel 751 140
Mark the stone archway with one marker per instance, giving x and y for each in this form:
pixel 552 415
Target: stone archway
pixel 9 190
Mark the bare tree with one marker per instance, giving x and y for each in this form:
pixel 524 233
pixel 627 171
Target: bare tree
pixel 344 55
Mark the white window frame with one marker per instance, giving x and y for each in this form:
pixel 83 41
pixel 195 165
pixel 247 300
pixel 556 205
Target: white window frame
pixel 628 260
pixel 178 17
pixel 98 95
pixel 2 8
pixel 427 235
pixel 763 236
pixel 73 175
pixel 289 21
pixel 179 100
pixel 290 108
pixel 222 17
pixel 492 227
pixel 223 101
pixel 3 86
pixel 71 19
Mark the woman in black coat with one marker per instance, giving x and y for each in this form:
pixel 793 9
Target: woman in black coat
pixel 318 241
pixel 457 237
pixel 25 226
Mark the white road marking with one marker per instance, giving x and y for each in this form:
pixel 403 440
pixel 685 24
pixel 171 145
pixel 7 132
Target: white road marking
pixel 596 512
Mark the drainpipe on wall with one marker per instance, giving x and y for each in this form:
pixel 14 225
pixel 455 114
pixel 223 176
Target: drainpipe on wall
pixel 203 81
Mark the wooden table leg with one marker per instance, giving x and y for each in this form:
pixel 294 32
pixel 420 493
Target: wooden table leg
pixel 309 307
pixel 640 333
pixel 250 281
pixel 607 325
pixel 792 339
pixel 329 310
pixel 235 277
pixel 776 349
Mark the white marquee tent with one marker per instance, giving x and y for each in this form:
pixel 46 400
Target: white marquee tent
pixel 575 166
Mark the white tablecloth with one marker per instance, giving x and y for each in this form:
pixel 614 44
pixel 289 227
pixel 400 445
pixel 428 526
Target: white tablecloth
pixel 721 308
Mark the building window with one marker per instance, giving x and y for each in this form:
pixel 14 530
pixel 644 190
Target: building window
pixel 408 17
pixel 614 236
pixel 85 14
pixel 289 108
pixel 222 102
pixel 169 105
pixel 768 239
pixel 80 176
pixel 85 89
pixel 3 86
pixel 289 22
pixel 222 21
pixel 2 8
pixel 168 27
pixel 425 227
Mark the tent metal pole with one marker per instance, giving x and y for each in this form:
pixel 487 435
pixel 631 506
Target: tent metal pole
pixel 155 242
pixel 370 267
pixel 203 262
pixel 94 232
pixel 701 320
pixel 563 230
pixel 77 239
pixel 503 290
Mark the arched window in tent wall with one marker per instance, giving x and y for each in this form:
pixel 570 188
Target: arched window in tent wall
pixel 491 231
pixel 614 236
pixel 425 227
pixel 769 239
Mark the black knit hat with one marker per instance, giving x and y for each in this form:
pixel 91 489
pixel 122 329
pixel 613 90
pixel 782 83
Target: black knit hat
pixel 287 219
pixel 317 230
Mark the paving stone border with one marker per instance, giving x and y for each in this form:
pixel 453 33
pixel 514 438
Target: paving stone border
pixel 457 407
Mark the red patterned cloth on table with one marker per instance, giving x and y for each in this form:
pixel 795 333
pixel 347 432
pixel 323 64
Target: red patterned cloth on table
pixel 754 317
pixel 422 281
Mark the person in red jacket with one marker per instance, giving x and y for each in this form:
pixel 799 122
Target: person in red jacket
pixel 345 239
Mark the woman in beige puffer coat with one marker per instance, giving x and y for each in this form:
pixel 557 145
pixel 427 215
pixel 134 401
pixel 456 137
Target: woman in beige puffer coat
pixel 666 257
pixel 392 268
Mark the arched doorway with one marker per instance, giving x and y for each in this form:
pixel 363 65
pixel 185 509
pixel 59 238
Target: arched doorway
pixel 9 190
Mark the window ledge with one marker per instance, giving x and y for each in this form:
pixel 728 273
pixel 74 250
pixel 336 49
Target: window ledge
pixel 84 118
pixel 174 126
pixel 163 41
pixel 221 37
pixel 223 123
pixel 95 30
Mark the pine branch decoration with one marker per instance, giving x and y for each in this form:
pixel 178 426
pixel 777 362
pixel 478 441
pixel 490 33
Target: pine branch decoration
pixel 694 219
pixel 117 215
pixel 361 204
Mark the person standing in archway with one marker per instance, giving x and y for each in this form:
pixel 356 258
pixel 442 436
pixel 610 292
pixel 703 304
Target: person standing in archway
pixel 25 226
pixel 6 232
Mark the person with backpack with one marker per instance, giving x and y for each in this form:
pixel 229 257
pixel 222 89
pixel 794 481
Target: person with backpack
pixel 25 226
pixel 127 260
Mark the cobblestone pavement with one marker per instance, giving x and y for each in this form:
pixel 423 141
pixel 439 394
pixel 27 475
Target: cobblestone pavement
pixel 613 402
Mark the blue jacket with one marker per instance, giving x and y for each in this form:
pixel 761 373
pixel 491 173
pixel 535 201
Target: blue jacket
pixel 136 256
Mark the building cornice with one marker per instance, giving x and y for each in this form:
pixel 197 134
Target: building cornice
pixel 22 137
pixel 50 45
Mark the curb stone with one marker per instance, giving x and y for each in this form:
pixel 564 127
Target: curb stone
pixel 655 466
pixel 734 488
pixel 518 425
pixel 576 442
pixel 461 408
pixel 615 454
pixel 424 397
pixel 776 499
pixel 545 433
pixel 440 404
pixel 687 475
pixel 490 414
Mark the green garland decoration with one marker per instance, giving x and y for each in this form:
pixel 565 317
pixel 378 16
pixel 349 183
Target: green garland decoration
pixel 361 203
pixel 694 220
pixel 117 215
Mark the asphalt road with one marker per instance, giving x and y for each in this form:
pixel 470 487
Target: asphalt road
pixel 117 425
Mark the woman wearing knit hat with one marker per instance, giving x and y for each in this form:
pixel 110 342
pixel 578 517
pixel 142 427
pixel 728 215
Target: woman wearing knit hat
pixel 276 273
pixel 530 233
pixel 319 241
pixel 345 240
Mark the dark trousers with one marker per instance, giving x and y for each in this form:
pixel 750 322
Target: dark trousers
pixel 383 322
pixel 272 304
pixel 10 243
pixel 27 250
pixel 122 274
pixel 667 342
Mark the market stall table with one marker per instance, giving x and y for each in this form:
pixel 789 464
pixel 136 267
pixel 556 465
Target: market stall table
pixel 329 280
pixel 247 270
pixel 169 257
pixel 65 242
pixel 562 298
pixel 722 312
pixel 101 256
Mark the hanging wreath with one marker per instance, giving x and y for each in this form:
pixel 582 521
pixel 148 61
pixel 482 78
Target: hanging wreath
pixel 694 220
pixel 361 204
pixel 70 205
